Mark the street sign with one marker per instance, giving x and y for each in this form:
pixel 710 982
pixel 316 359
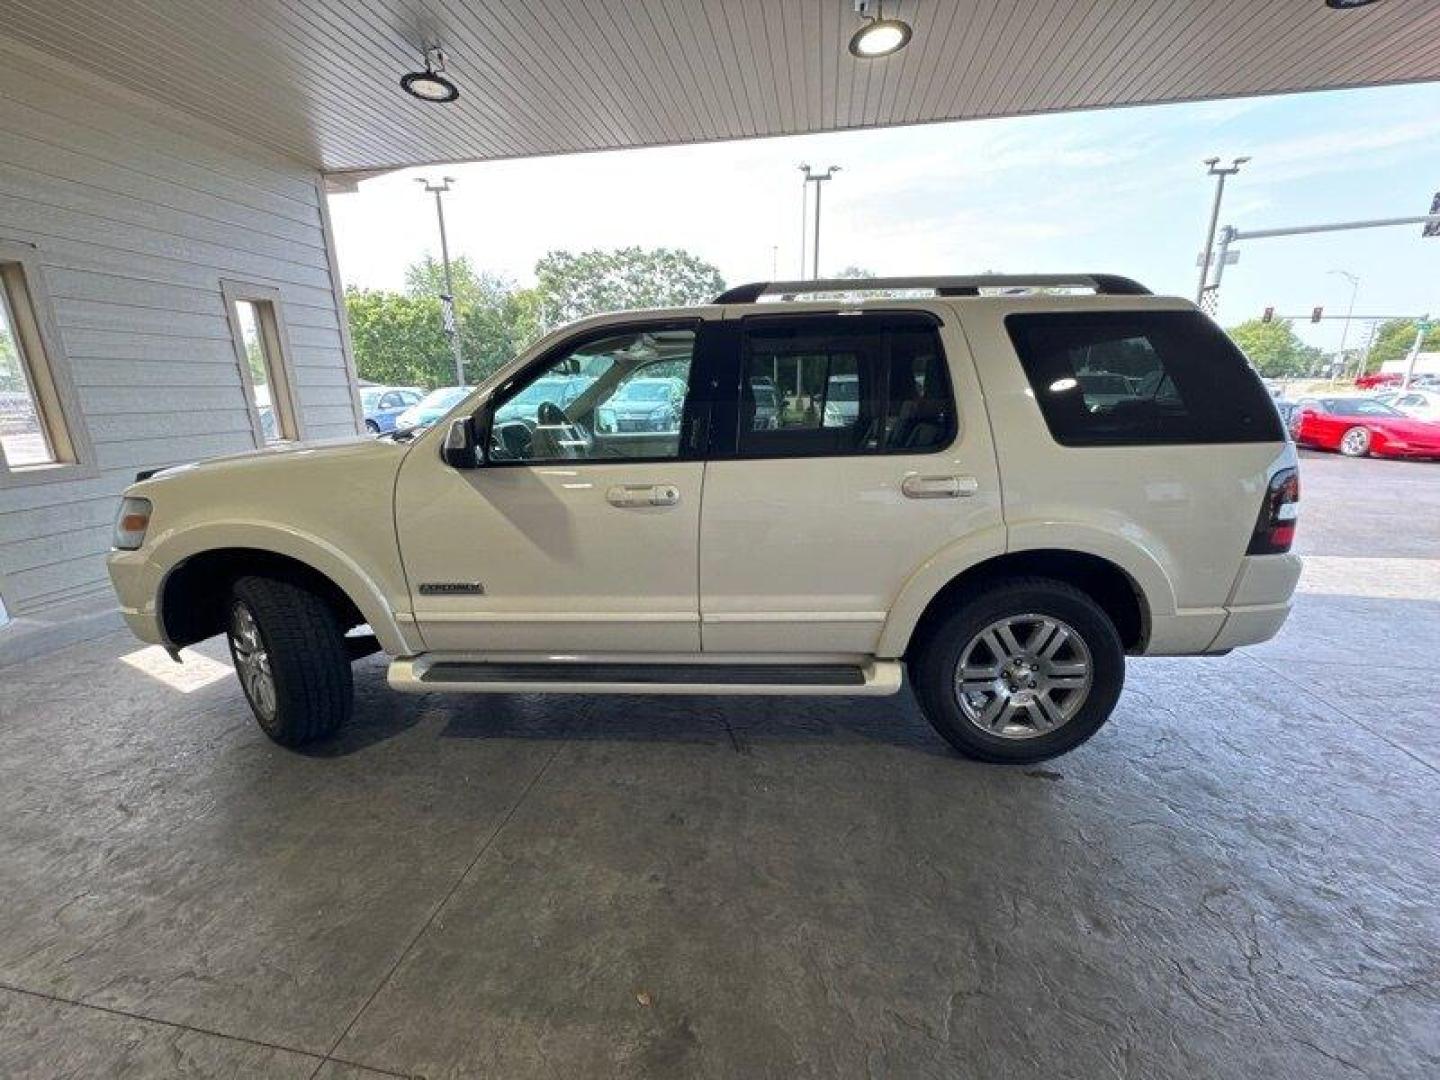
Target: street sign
pixel 1432 228
pixel 1231 258
pixel 1316 314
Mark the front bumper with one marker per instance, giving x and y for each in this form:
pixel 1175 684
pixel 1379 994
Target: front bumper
pixel 137 587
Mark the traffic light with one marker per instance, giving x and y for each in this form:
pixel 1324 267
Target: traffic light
pixel 1316 313
pixel 1269 315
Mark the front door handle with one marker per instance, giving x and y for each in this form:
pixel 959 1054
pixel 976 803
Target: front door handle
pixel 633 496
pixel 916 486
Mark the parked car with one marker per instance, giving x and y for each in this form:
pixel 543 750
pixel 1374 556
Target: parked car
pixel 842 400
pixel 382 405
pixel 561 390
pixel 1378 379
pixel 535 549
pixel 643 405
pixel 1416 402
pixel 767 404
pixel 1359 426
pixel 430 408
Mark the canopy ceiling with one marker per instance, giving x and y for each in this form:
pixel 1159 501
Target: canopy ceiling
pixel 318 79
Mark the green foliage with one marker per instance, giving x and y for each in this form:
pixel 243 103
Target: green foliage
pixel 11 378
pixel 571 286
pixel 1275 349
pixel 1394 338
pixel 399 338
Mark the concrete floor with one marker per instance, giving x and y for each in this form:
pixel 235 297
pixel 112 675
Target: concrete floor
pixel 1236 878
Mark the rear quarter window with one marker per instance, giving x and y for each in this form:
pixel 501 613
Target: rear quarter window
pixel 1132 378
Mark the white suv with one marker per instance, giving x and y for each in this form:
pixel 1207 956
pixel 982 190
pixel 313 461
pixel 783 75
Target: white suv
pixel 1021 488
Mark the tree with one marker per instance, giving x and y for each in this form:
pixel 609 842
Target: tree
pixel 1393 340
pixel 398 339
pixel 1274 348
pixel 497 319
pixel 571 286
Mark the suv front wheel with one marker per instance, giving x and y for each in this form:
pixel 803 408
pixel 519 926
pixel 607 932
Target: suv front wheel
pixel 290 655
pixel 1023 671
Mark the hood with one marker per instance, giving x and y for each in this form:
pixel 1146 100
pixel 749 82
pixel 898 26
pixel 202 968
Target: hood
pixel 359 451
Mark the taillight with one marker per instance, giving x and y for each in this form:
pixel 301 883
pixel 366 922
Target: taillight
pixel 1275 529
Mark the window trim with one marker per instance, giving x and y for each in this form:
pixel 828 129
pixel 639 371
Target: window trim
pixel 725 440
pixel 57 405
pixel 284 398
pixel 693 415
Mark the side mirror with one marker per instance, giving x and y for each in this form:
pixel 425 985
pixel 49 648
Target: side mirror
pixel 461 449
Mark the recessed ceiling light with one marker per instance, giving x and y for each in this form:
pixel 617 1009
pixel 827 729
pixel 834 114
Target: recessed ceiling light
pixel 1346 5
pixel 879 36
pixel 430 85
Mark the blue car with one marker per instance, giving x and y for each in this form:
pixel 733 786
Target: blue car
pixel 431 407
pixel 382 404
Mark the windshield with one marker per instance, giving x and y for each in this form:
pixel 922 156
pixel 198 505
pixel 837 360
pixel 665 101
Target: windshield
pixel 368 398
pixel 844 390
pixel 1358 407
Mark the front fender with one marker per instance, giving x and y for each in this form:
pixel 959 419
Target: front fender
pixel 172 548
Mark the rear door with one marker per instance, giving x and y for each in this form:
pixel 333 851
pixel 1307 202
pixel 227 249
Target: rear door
pixel 876 456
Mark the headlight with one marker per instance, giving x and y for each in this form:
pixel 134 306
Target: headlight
pixel 131 523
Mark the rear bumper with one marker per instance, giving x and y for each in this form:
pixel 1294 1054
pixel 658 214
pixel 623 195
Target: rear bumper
pixel 1259 602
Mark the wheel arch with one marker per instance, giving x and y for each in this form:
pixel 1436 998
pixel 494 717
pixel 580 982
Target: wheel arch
pixel 1117 590
pixel 203 565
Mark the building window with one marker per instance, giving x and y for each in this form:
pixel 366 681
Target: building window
pixel 262 350
pixel 38 439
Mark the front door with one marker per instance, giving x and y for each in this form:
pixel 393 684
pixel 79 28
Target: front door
pixel 859 451
pixel 580 532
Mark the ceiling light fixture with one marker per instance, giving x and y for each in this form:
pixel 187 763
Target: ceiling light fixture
pixel 430 85
pixel 879 36
pixel 1346 5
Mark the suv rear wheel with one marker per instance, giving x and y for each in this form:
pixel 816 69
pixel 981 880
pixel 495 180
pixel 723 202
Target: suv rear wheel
pixel 1024 670
pixel 290 655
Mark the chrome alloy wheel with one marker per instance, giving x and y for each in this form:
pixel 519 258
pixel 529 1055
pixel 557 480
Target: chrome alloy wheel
pixel 1023 676
pixel 252 661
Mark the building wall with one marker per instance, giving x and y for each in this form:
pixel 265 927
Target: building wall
pixel 137 214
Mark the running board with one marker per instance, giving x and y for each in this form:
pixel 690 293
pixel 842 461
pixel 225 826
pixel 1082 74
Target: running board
pixel 420 674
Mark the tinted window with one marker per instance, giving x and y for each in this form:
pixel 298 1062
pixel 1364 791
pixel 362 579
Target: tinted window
pixel 1357 407
pixel 843 385
pixel 1116 378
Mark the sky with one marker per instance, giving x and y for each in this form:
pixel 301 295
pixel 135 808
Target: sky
pixel 1122 191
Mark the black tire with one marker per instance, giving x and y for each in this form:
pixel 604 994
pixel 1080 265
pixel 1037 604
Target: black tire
pixel 933 667
pixel 372 427
pixel 309 662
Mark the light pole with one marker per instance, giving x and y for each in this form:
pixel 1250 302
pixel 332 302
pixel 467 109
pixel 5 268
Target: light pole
pixel 447 298
pixel 817 179
pixel 1349 311
pixel 1220 175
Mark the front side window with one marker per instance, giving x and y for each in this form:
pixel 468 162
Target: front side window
pixel 618 396
pixel 834 385
pixel 1126 378
pixel 34 434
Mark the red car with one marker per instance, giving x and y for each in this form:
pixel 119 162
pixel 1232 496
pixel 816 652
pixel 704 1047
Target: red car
pixel 1360 426
pixel 1375 380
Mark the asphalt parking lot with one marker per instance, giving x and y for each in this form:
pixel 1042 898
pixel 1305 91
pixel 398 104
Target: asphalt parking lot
pixel 1236 878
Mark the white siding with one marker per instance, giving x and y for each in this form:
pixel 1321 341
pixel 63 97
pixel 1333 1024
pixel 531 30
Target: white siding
pixel 137 213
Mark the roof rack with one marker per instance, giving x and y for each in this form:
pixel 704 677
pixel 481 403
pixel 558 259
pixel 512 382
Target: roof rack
pixel 962 285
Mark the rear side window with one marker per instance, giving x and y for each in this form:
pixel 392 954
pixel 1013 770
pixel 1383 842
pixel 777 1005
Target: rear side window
pixel 1128 378
pixel 825 385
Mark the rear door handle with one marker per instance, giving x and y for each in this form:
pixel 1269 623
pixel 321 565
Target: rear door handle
pixel 916 486
pixel 634 496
